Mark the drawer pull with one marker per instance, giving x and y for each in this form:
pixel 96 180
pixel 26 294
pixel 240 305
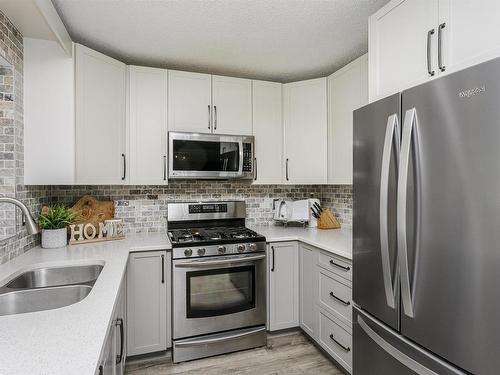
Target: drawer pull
pixel 346 348
pixel 345 303
pixel 340 266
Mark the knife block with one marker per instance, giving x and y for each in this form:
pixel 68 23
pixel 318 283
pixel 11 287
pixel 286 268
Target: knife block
pixel 327 220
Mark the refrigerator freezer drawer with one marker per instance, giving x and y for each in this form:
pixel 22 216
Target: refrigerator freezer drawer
pixel 378 350
pixel 335 264
pixel 335 339
pixel 335 295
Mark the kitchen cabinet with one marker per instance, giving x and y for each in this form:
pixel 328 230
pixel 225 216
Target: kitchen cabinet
pixel 307 313
pixel 268 132
pixel 283 265
pixel 147 125
pixel 347 91
pixel 414 41
pixel 100 97
pixel 148 301
pixel 305 131
pixel 232 105
pixel 189 102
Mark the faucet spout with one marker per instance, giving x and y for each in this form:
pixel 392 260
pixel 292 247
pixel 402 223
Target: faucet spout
pixel 30 223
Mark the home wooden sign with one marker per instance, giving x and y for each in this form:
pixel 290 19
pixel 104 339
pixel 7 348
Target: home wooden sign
pixel 108 230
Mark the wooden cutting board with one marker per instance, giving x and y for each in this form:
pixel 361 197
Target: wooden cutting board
pixel 91 210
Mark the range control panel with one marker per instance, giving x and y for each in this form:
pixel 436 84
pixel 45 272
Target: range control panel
pixel 207 208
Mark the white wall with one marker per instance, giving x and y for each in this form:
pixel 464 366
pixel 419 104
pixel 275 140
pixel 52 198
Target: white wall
pixel 48 114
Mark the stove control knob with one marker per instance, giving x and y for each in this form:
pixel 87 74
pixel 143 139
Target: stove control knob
pixel 252 247
pixel 188 252
pixel 221 249
pixel 201 251
pixel 241 248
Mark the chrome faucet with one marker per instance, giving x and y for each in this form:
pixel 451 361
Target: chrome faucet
pixel 31 226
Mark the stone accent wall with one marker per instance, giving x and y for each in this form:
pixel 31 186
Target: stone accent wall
pixel 11 146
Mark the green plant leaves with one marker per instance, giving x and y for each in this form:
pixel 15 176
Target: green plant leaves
pixel 57 217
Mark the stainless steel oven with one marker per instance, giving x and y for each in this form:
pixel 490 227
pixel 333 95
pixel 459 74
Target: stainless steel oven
pixel 210 156
pixel 216 294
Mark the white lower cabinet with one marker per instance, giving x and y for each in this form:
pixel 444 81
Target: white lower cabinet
pixel 283 271
pixel 335 338
pixel 113 355
pixel 307 263
pixel 148 302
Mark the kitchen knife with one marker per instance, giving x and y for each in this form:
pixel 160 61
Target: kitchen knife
pixel 315 213
pixel 318 207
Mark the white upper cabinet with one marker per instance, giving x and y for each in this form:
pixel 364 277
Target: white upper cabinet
pixel 268 132
pixel 100 92
pixel 232 105
pixel 469 32
pixel 347 91
pixel 147 122
pixel 189 102
pixel 305 127
pixel 399 36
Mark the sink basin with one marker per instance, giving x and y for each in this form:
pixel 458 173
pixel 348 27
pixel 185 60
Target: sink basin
pixel 56 276
pixel 30 300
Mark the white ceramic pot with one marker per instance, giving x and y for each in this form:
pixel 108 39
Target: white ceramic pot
pixel 53 238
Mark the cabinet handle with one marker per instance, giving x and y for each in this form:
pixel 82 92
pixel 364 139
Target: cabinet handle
pixel 215 117
pixel 164 167
pixel 119 357
pixel 440 47
pixel 209 116
pixel 124 167
pixel 272 257
pixel 101 370
pixel 345 303
pixel 430 33
pixel 340 266
pixel 255 168
pixel 163 269
pixel 346 348
pixel 286 169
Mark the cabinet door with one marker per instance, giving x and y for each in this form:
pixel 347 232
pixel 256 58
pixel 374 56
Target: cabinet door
pixel 232 100
pixel 307 285
pixel 147 284
pixel 347 91
pixel 470 33
pixel 147 120
pixel 189 101
pixel 268 132
pixel 397 45
pixel 305 126
pixel 119 325
pixel 100 118
pixel 283 285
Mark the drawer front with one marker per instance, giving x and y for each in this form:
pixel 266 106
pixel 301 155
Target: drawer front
pixel 335 264
pixel 335 339
pixel 335 295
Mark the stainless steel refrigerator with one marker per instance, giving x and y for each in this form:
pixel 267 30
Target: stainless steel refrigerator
pixel 426 228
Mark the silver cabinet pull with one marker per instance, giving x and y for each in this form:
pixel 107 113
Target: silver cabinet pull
pixel 124 167
pixel 164 167
pixel 346 348
pixel 215 117
pixel 440 47
pixel 345 303
pixel 344 268
pixel 391 137
pixel 286 169
pixel 255 169
pixel 430 33
pixel 209 116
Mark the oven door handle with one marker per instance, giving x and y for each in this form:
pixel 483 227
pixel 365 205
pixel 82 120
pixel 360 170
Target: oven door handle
pixel 220 339
pixel 219 262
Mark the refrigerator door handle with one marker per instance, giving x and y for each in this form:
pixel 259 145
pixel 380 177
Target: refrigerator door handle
pixel 393 352
pixel 391 134
pixel 410 121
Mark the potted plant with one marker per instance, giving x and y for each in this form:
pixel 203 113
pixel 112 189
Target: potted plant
pixel 53 221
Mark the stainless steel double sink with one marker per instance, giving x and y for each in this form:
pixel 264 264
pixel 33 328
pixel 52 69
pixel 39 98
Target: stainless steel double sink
pixel 48 288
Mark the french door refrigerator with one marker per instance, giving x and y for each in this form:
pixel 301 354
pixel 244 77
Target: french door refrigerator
pixel 426 228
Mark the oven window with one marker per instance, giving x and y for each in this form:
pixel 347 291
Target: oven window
pixel 220 292
pixel 205 156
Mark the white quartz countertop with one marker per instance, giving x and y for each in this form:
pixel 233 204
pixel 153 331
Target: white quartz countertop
pixel 336 241
pixel 68 340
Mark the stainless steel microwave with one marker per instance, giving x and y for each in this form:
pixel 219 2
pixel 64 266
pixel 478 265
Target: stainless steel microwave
pixel 210 156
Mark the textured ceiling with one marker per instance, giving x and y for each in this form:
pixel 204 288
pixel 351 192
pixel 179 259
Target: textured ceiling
pixel 281 40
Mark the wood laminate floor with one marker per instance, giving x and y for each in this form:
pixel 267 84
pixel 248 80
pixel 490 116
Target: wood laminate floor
pixel 285 355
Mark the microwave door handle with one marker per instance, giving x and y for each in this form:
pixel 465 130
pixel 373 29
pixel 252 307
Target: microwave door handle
pixel 240 167
pixel 205 263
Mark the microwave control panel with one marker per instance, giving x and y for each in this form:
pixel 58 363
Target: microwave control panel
pixel 247 157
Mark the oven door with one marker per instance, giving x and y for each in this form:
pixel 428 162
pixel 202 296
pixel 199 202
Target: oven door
pixel 194 155
pixel 218 294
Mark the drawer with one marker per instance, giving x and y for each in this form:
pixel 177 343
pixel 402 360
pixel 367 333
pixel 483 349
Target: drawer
pixel 336 339
pixel 340 266
pixel 334 294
